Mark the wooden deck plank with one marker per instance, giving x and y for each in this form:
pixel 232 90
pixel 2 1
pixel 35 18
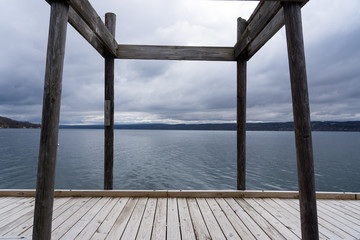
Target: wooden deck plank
pixel 348 209
pixel 263 224
pixel 147 222
pixel 348 204
pixel 247 220
pixel 337 219
pixel 356 204
pixel 179 218
pixel 326 229
pixel 284 217
pixel 85 219
pixel 224 223
pixel 15 223
pixel 210 221
pixel 286 232
pixel 107 224
pixel 187 229
pixel 135 220
pixel 236 222
pixel 14 207
pixel 27 224
pixel 200 229
pixel 173 223
pixel 348 216
pixel 92 226
pixel 122 220
pixel 324 233
pixel 27 221
pixel 68 223
pixel 13 214
pixel 4 201
pixel 159 228
pixel 63 213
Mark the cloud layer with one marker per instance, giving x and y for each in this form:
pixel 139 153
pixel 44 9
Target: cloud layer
pixel 181 91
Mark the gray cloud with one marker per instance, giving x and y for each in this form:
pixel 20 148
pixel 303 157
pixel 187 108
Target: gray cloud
pixel 177 91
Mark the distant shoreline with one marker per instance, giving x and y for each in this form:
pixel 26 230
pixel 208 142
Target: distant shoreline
pixel 10 123
pixel 331 126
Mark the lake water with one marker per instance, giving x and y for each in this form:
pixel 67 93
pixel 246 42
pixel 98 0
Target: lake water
pixel 153 159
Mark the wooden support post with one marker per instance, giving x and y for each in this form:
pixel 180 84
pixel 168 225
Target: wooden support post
pixel 304 151
pixel 50 120
pixel 241 112
pixel 110 19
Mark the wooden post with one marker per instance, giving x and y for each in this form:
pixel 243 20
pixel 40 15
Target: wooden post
pixel 241 112
pixel 304 151
pixel 50 120
pixel 110 19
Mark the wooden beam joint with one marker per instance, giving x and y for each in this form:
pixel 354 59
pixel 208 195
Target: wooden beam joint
pixel 266 20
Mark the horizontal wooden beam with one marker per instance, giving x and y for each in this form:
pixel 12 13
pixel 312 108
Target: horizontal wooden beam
pixel 262 15
pixel 175 53
pixel 266 20
pixel 266 34
pixel 92 19
pixel 87 22
pixel 78 23
pixel 182 193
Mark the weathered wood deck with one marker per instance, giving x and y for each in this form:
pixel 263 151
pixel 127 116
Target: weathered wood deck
pixel 179 215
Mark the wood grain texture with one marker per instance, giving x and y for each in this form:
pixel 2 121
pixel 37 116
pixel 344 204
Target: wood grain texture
pixel 153 52
pixel 50 120
pixel 210 221
pixel 238 224
pixel 241 69
pixel 81 26
pixel 187 229
pixel 263 14
pixel 200 229
pixel 209 218
pixel 301 112
pixel 92 19
pixel 110 22
pixel 159 226
pixel 173 223
pixel 275 24
pixel 145 228
pixel 266 20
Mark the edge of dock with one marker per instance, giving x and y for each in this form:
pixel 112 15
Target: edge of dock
pixel 181 193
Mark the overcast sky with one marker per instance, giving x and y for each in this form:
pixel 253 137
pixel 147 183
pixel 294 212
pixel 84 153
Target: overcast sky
pixel 181 91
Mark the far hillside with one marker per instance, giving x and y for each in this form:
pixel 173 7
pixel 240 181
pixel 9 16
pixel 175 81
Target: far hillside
pixel 10 123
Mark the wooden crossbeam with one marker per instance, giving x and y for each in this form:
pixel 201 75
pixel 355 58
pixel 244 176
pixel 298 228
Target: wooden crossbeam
pixel 275 24
pixel 92 19
pixel 83 17
pixel 262 15
pixel 266 20
pixel 78 23
pixel 175 53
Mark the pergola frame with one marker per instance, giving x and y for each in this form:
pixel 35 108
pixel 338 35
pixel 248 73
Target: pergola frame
pixel 268 17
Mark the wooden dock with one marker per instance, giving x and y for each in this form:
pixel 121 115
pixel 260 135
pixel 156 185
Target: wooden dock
pixel 179 215
pixel 267 19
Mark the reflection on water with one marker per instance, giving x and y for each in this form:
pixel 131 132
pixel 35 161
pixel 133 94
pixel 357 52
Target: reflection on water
pixel 152 159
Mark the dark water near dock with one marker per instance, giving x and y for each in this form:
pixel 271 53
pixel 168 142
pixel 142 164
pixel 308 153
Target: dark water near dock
pixel 158 159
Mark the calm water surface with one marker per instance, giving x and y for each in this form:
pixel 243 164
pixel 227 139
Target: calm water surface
pixel 152 159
